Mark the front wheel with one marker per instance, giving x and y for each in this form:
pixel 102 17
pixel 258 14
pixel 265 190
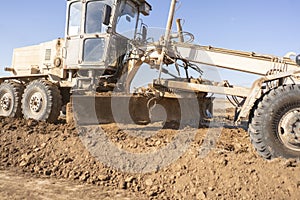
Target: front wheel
pixel 275 126
pixel 41 101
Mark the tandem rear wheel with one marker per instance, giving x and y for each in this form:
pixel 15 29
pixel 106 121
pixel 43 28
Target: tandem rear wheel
pixel 10 99
pixel 40 100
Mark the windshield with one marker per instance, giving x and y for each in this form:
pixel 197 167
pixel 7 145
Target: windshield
pixel 127 20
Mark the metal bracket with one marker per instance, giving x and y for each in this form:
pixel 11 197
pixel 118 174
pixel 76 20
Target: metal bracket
pixel 256 92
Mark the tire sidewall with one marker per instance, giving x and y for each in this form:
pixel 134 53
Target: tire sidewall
pixel 37 87
pixel 282 100
pixel 4 89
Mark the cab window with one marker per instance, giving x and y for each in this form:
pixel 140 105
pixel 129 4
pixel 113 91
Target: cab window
pixel 127 20
pixel 75 19
pixel 95 17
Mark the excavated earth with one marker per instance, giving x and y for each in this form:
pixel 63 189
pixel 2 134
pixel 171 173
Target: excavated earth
pixel 50 161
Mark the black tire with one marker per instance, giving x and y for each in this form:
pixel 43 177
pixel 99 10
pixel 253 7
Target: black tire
pixel 10 99
pixel 41 101
pixel 275 126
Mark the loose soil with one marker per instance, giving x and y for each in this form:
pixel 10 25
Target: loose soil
pixel 50 161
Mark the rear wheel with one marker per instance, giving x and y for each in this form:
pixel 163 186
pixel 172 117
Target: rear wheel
pixel 41 101
pixel 10 99
pixel 275 126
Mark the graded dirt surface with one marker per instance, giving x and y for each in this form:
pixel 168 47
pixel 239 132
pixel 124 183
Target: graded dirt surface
pixel 51 161
pixel 14 186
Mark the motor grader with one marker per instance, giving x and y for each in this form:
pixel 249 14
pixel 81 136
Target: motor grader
pixel 106 43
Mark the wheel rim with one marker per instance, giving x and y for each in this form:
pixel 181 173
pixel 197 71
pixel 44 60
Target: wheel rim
pixel 289 129
pixel 5 102
pixel 36 102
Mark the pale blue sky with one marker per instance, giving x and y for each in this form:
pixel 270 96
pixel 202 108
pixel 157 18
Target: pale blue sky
pixel 264 26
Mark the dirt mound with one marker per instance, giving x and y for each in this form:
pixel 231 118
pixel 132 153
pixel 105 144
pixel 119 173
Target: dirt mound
pixel 231 170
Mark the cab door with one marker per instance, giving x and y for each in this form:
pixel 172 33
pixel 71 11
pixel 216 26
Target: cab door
pixel 87 37
pixel 95 37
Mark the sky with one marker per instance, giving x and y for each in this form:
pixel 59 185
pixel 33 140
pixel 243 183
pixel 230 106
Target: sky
pixel 263 26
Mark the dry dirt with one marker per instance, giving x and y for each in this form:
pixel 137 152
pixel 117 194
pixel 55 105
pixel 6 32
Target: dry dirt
pixel 49 161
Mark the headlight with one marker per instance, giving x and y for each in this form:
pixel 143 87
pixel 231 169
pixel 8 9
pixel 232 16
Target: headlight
pixel 298 59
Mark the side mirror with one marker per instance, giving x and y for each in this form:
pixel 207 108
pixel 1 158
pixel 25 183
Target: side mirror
pixel 107 15
pixel 144 33
pixel 298 59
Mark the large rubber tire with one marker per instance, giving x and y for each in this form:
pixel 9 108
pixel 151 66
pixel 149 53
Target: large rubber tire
pixel 10 99
pixel 275 125
pixel 41 101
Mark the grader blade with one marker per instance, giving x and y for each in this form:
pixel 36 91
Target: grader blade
pixel 125 109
